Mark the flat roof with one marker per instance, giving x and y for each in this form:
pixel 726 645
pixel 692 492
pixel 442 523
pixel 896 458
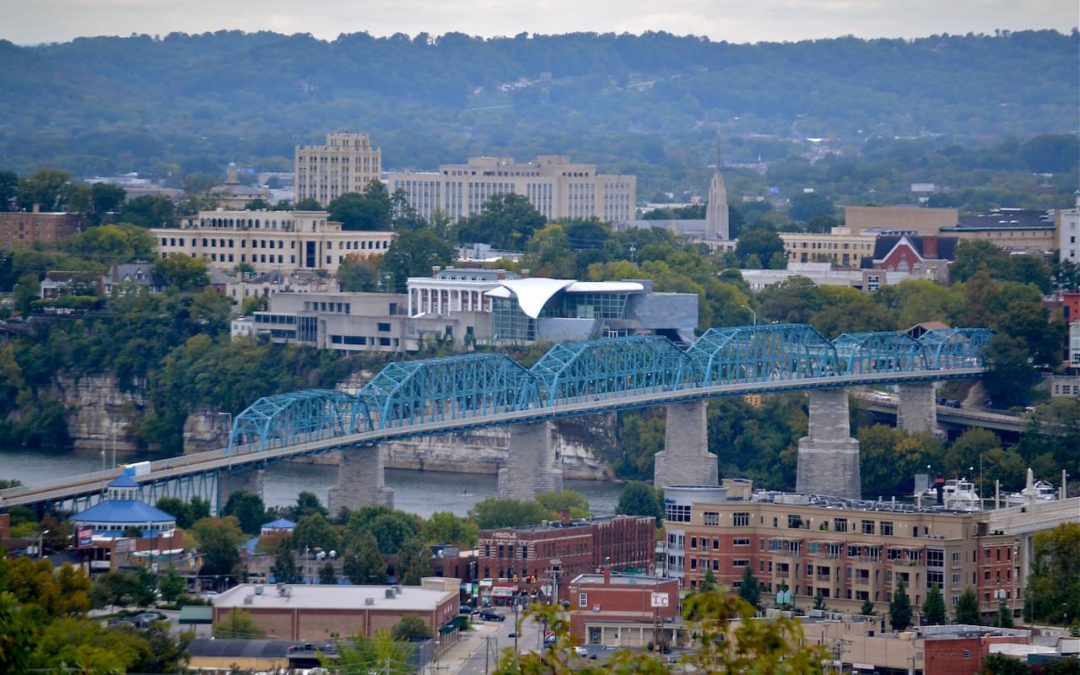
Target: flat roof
pixel 302 596
pixel 621 580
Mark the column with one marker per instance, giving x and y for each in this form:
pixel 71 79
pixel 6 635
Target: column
pixel 685 459
pixel 361 480
pixel 247 478
pixel 828 462
pixel 917 409
pixel 532 465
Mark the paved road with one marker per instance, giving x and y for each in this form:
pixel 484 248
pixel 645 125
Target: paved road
pixel 485 646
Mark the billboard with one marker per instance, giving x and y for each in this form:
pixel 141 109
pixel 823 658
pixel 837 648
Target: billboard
pixel 658 600
pixel 85 535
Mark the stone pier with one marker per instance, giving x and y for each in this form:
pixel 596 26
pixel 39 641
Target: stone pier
pixel 685 459
pixel 532 464
pixel 828 462
pixel 917 409
pixel 238 480
pixel 361 480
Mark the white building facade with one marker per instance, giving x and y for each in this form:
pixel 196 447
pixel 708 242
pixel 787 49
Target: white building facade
pixel 556 187
pixel 1068 229
pixel 269 241
pixel 453 290
pixel 347 163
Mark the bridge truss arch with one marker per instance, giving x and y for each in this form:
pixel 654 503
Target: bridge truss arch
pixel 882 352
pixel 770 352
pixel 297 417
pixel 956 347
pixel 611 366
pixel 412 392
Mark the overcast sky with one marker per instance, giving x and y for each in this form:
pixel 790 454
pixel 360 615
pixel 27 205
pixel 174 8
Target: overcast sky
pixel 34 21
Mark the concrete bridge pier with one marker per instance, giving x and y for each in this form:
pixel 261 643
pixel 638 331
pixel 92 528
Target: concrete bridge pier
pixel 917 408
pixel 240 479
pixel 361 480
pixel 685 459
pixel 532 464
pixel 828 461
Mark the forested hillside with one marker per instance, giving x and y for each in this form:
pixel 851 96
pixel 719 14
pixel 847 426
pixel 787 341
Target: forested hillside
pixel 179 104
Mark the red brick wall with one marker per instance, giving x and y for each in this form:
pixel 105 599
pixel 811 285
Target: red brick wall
pixel 961 656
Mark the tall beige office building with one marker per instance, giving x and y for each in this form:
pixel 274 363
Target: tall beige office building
pixel 556 187
pixel 347 163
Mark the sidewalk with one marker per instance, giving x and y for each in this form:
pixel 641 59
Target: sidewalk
pixel 460 655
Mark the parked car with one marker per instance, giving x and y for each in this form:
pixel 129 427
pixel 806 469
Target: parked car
pixel 146 619
pixel 492 616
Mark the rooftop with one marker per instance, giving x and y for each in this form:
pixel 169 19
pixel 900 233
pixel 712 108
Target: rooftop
pixel 123 511
pixel 621 580
pixel 301 596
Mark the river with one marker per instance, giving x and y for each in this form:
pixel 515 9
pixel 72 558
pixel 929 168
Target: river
pixel 419 492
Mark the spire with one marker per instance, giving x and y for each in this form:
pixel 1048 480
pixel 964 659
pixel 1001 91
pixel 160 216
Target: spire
pixel 716 212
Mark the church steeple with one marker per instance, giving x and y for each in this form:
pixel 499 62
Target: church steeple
pixel 716 211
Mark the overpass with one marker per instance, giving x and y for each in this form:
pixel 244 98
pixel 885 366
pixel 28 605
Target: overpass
pixel 949 415
pixel 439 396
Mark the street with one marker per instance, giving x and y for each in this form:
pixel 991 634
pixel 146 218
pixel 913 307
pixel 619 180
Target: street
pixel 485 644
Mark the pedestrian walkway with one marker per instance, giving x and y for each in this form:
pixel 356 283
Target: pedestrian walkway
pixel 463 655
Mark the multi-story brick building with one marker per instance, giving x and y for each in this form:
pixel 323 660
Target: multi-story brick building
pixel 523 559
pixel 269 240
pixel 25 228
pixel 624 611
pixel 347 163
pixel 556 187
pixel 847 551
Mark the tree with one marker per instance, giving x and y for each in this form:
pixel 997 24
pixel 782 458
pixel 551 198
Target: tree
pixel 172 586
pixel 380 653
pixel 867 608
pixel 48 189
pixel 363 211
pixel 411 627
pixel 1054 585
pixel 248 509
pixel 414 253
pixel 1005 615
pixel 1002 664
pixel 565 500
pixel 218 540
pixel 934 607
pixel 967 608
pixel 314 531
pixel 327 574
pixel 184 272
pixel 506 221
pixel 760 242
pixel 149 211
pixel 238 624
pixel 900 608
pixel 391 530
pixel 359 275
pixel 413 562
pixel 9 185
pixel 258 204
pixel 1009 375
pixel 284 568
pixel 444 527
pixel 806 206
pixel 749 590
pixel 307 204
pixel 364 564
pixel 110 244
pixel 708 582
pixel 819 602
pixel 493 513
pixel 640 499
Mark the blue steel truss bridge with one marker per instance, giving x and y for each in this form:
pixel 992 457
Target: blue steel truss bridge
pixel 460 393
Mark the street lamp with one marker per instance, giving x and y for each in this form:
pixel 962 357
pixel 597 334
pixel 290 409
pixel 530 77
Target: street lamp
pixel 41 543
pixel 752 312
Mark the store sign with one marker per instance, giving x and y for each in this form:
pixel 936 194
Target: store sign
pixel 658 600
pixel 86 535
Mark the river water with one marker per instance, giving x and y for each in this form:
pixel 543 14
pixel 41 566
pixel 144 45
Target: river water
pixel 419 492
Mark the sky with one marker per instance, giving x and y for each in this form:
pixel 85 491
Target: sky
pixel 36 21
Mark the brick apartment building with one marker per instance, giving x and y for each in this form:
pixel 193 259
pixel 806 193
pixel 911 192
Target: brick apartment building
pixel 23 229
pixel 522 559
pixel 847 552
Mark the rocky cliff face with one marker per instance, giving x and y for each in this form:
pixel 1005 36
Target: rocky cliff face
pixel 99 414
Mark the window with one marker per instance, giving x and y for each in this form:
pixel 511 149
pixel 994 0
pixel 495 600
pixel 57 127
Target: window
pixel 739 542
pixel 677 513
pixel 886 528
pixel 740 563
pixel 794 520
pixel 583 600
pixel 384 328
pixel 693 543
pixel 867 527
pixel 740 519
pixel 840 524
pixel 711 518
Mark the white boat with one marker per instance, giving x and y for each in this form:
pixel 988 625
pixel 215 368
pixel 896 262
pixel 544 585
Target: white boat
pixel 1043 492
pixel 957 494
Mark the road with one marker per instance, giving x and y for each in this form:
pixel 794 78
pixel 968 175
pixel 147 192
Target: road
pixel 488 642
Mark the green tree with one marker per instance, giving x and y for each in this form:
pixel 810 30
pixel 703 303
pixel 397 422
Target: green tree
pixel 1002 664
pixel 1054 585
pixel 184 272
pixel 48 189
pixel 258 204
pixel 327 574
pixel 1009 374
pixel 967 608
pixel 172 586
pixel 565 500
pixel 238 624
pixel 413 562
pixel 708 582
pixel 365 211
pixel 749 589
pixel 493 513
pixel 9 185
pixel 380 653
pixel 760 242
pixel 110 244
pixel 867 608
pixel 359 275
pixel 934 607
pixel 506 221
pixel 444 527
pixel 1005 615
pixel 414 253
pixel 284 568
pixel 364 564
pixel 307 204
pixel 640 499
pixel 249 510
pixel 391 530
pixel 18 634
pixel 314 531
pixel 411 627
pixel 149 211
pixel 900 608
pixel 806 206
pixel 218 541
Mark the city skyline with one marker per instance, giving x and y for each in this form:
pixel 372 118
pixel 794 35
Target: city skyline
pixel 738 21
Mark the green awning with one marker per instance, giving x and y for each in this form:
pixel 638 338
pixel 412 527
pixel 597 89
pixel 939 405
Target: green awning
pixel 447 629
pixel 196 614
